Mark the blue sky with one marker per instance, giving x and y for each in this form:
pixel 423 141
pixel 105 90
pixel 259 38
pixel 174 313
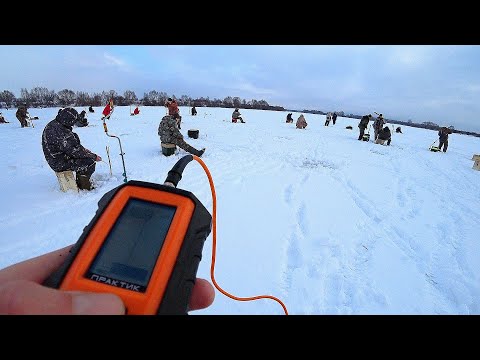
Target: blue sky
pixel 417 82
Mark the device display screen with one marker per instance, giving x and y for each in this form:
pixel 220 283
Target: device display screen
pixel 129 253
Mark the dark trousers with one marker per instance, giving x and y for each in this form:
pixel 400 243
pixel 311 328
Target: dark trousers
pixel 84 166
pixel 443 143
pixel 362 131
pixel 23 121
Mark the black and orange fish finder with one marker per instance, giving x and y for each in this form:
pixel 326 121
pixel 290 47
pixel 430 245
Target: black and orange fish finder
pixel 144 244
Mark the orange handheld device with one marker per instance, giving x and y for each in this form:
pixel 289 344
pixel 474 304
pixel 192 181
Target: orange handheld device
pixel 144 244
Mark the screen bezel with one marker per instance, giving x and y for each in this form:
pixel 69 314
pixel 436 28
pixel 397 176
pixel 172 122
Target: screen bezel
pixel 136 302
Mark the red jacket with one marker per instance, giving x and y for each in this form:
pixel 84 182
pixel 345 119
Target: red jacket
pixel 136 111
pixel 107 110
pixel 172 108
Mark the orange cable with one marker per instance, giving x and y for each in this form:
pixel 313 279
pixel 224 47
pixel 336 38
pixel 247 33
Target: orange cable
pixel 214 245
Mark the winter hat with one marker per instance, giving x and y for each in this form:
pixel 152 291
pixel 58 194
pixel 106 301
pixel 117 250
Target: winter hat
pixel 67 116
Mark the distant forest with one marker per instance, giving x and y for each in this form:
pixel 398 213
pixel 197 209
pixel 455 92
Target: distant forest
pixel 42 97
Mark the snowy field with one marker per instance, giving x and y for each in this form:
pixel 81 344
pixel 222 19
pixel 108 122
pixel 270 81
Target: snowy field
pixel 326 223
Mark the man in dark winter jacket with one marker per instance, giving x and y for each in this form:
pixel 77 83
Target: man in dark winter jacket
pixel 170 134
pixel 384 135
pixel 363 124
pixel 22 114
pixel 289 118
pixel 443 138
pixel 63 151
pixel 334 117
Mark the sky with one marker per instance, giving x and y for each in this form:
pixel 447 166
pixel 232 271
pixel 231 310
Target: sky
pixel 436 83
pixel 327 224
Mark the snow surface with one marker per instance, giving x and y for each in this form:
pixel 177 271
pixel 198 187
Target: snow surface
pixel 326 223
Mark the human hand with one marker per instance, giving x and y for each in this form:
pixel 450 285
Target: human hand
pixel 99 158
pixel 21 292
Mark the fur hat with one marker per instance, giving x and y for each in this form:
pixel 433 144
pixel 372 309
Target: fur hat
pixel 67 116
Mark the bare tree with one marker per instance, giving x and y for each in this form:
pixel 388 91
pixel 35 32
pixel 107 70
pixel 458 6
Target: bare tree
pixel 184 100
pixel 107 95
pixel 49 97
pixel 130 97
pixel 262 104
pixel 151 98
pixel 83 99
pixel 162 97
pixel 38 96
pixel 66 97
pixel 237 102
pixel 25 97
pixel 253 104
pixel 7 98
pixel 228 101
pixel 96 99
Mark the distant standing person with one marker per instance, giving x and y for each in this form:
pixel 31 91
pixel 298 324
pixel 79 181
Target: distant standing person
pixel 301 122
pixel 236 116
pixel 22 114
pixel 194 111
pixel 328 118
pixel 378 125
pixel 363 124
pixel 334 117
pixel 443 138
pixel 170 134
pixel 63 150
pixel 289 118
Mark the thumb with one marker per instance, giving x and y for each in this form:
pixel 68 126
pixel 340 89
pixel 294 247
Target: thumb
pixel 28 298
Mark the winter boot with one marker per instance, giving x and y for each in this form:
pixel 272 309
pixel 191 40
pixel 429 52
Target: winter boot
pixel 194 151
pixel 83 182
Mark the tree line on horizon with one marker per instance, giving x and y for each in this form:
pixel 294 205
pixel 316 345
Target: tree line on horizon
pixel 43 97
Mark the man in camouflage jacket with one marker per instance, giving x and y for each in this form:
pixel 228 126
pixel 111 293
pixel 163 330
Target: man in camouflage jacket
pixel 170 134
pixel 63 150
pixel 378 125
pixel 21 115
pixel 301 122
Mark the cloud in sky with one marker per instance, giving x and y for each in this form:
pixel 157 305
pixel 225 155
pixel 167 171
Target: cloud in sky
pixel 402 81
